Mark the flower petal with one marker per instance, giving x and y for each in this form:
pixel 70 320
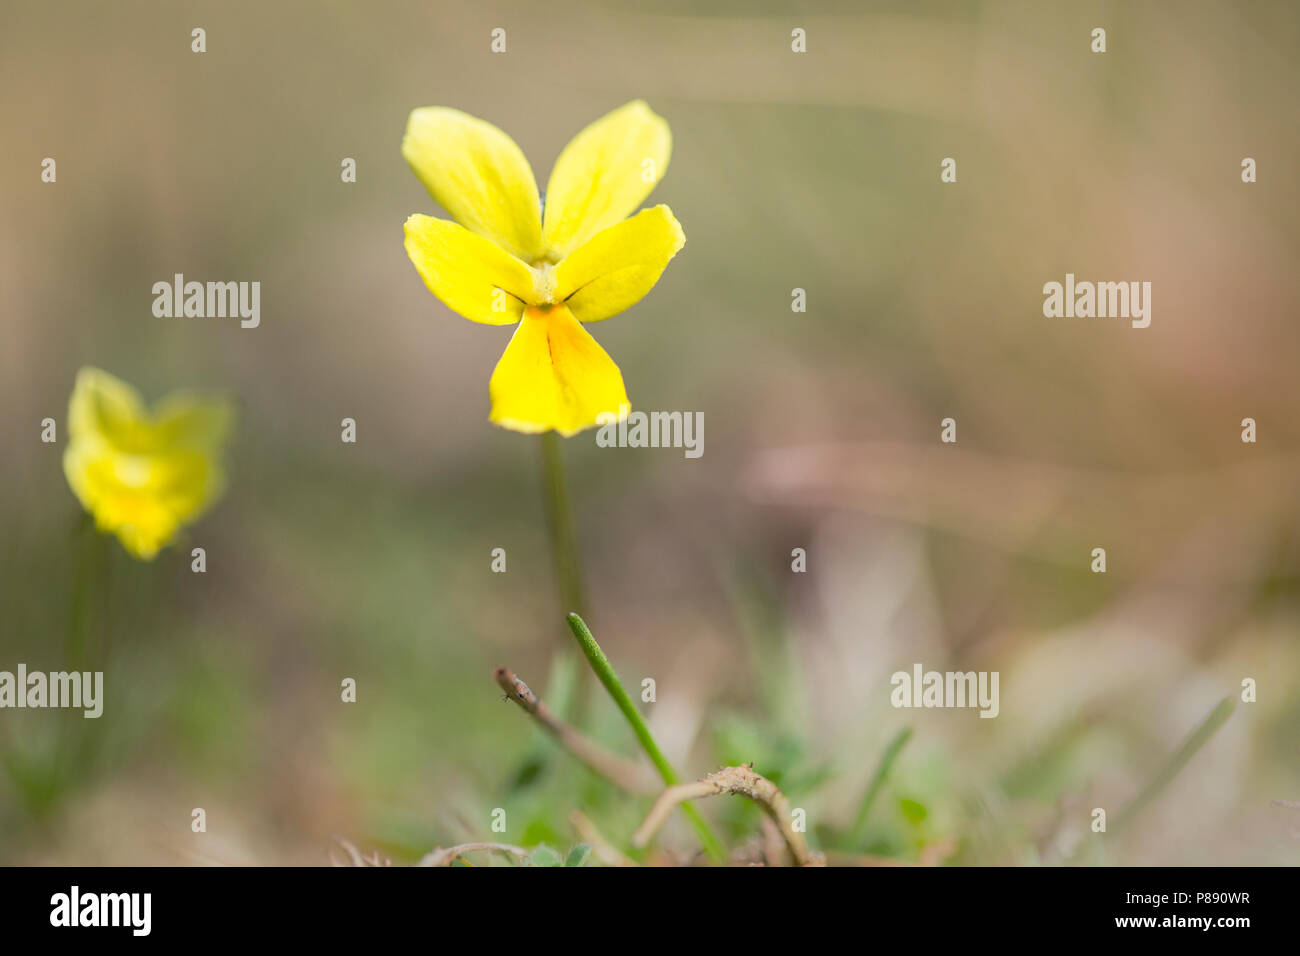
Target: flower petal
pixel 478 174
pixel 104 405
pixel 186 420
pixel 554 375
pixel 143 500
pixel 603 175
pixel 143 475
pixel 472 275
pixel 619 265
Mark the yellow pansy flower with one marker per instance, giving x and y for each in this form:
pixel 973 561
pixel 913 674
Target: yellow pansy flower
pixel 580 259
pixel 143 474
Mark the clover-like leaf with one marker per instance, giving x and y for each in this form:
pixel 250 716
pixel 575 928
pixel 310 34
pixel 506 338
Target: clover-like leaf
pixel 544 856
pixel 578 856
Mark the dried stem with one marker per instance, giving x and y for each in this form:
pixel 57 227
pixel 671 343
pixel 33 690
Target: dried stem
pixel 622 773
pixel 773 843
pixel 355 857
pixel 441 857
pixel 742 781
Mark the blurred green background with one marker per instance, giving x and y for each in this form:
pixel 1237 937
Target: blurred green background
pixel 818 171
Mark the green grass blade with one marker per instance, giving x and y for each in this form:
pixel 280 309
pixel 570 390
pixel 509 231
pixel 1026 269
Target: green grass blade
pixel 1174 765
pixel 605 674
pixel 887 758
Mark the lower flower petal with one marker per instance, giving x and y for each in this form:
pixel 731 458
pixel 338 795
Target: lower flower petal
pixel 144 500
pixel 470 274
pixel 554 375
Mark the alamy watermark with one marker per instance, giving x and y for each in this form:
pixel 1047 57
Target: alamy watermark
pixel 209 300
pixel 922 688
pixel 629 429
pixel 1102 300
pixel 58 689
pixel 75 908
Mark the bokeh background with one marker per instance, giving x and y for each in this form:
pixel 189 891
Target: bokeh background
pixel 818 171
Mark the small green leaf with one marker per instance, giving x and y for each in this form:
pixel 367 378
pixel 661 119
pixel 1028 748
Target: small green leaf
pixel 914 812
pixel 544 856
pixel 578 856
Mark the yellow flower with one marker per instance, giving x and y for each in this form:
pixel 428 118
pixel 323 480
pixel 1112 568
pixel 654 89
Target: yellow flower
pixel 578 260
pixel 143 474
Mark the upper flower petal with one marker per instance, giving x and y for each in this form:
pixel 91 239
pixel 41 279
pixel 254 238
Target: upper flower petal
pixel 619 265
pixel 478 174
pixel 603 175
pixel 103 405
pixel 554 375
pixel 186 420
pixel 472 275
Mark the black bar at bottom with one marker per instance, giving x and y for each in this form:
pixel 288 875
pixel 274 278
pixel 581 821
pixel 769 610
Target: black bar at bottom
pixel 496 904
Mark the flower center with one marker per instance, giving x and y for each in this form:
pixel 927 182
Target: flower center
pixel 134 471
pixel 544 282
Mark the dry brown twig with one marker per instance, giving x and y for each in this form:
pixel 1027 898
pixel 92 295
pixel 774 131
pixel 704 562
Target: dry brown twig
pixel 619 771
pixel 773 843
pixel 441 857
pixel 355 857
pixel 742 781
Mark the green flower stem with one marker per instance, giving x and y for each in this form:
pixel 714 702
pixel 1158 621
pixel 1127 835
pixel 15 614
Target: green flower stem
pixel 605 672
pixel 564 544
pixel 563 687
pixel 88 615
pixel 85 575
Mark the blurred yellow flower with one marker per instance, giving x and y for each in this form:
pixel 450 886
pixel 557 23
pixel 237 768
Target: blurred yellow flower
pixel 143 474
pixel 578 260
